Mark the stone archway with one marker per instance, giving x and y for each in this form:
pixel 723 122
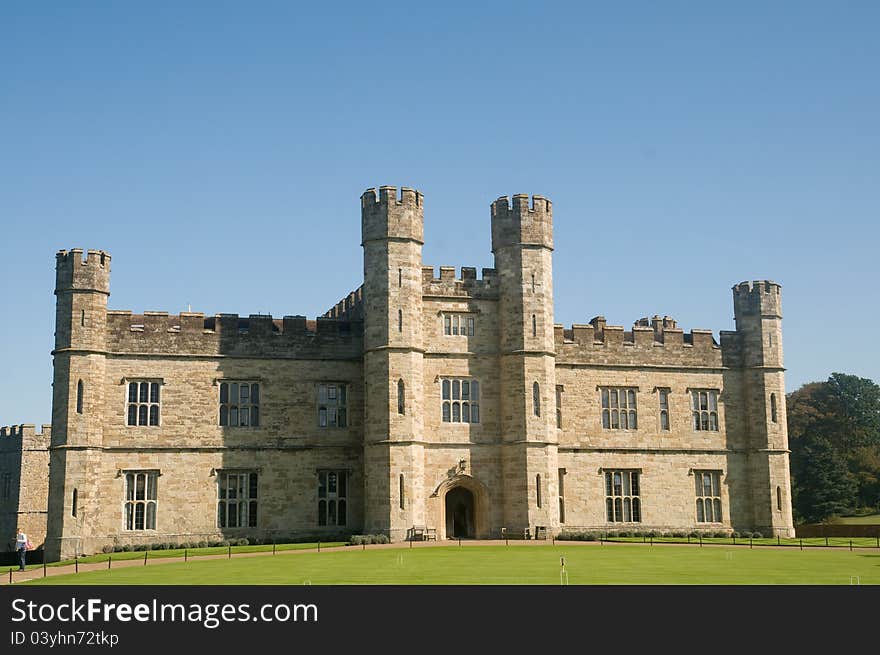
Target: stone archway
pixel 463 508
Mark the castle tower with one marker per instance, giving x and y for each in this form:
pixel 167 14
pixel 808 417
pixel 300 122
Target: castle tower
pixel 82 287
pixel 392 231
pixel 522 242
pixel 758 314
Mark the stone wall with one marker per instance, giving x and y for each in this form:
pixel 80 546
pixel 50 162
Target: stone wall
pixel 24 483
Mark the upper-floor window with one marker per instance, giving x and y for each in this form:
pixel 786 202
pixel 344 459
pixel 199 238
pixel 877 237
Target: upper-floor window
pixel 143 402
pixel 240 404
pixel 140 500
pixel 773 415
pixel 332 405
pixel 458 324
pixel 663 396
pixel 704 405
pixel 559 390
pixel 619 408
pixel 237 499
pixel 460 402
pixel 708 489
pixel 536 399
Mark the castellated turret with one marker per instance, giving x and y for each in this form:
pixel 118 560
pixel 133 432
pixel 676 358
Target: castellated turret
pixel 518 222
pixel 758 313
pixel 392 217
pixel 82 287
pixel 392 236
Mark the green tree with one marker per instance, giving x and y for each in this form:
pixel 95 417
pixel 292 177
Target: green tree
pixel 844 413
pixel 824 486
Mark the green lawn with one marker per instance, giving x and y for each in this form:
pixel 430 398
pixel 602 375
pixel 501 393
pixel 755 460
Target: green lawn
pixel 520 564
pixel 867 519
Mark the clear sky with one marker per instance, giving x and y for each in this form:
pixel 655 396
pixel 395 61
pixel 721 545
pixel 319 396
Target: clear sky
pixel 218 150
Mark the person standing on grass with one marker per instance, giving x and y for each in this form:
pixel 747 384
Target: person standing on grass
pixel 21 542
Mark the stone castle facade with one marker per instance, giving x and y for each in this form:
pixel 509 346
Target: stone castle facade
pixel 451 402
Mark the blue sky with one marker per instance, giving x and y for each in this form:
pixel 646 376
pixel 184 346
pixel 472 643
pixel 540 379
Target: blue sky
pixel 218 151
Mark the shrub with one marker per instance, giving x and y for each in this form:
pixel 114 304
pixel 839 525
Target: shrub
pixel 202 544
pixel 735 535
pixel 747 534
pixel 118 549
pixel 721 534
pixel 693 534
pixel 242 542
pixel 107 549
pixel 381 539
pixel 624 533
pixel 757 535
pixel 356 539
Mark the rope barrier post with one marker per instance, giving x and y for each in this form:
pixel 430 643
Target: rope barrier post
pixel 778 541
pixel 652 540
pixel 146 552
pixel 273 546
pixel 701 540
pixel 109 561
pixel 850 545
pixel 185 554
pixel 44 565
pixel 459 542
pixel 76 564
pixel 802 544
pixel 319 546
pixel 10 576
pixel 750 542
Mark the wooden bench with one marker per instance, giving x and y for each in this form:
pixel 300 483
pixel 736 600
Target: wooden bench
pixel 525 533
pixel 422 533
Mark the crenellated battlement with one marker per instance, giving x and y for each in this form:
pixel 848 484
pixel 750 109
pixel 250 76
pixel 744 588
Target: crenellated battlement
pixel 349 308
pixel 656 341
pixel 389 195
pixel 253 335
pixel 757 298
pixel 75 271
pixel 466 284
pixel 27 431
pixel 517 221
pixel 392 216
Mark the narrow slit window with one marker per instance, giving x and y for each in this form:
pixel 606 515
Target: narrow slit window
pixel 534 325
pixel 402 498
pixel 73 504
pixel 400 320
pixel 401 397
pixel 538 489
pixel 536 398
pixel 79 397
pixel 82 318
pixel 773 407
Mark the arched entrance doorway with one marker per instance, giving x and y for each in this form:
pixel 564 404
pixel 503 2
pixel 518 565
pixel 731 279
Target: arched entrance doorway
pixel 459 513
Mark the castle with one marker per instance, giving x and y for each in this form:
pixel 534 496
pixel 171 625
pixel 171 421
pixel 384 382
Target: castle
pixel 451 402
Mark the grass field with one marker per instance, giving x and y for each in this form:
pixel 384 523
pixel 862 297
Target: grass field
pixel 518 564
pixel 866 519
